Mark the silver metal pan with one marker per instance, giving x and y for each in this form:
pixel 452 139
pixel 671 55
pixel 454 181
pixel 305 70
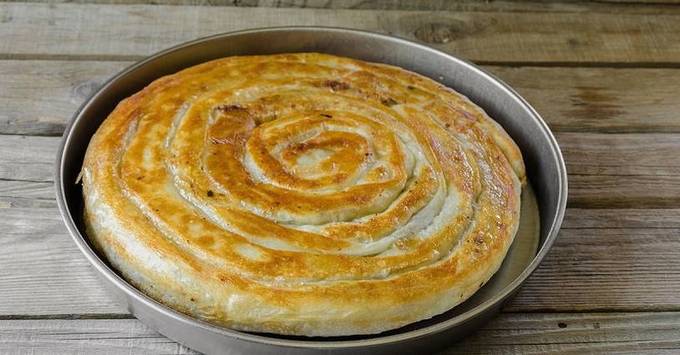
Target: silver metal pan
pixel 545 169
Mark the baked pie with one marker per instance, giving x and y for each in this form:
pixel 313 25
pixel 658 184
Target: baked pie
pixel 302 194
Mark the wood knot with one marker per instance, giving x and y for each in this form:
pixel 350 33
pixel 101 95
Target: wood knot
pixel 85 89
pixel 437 33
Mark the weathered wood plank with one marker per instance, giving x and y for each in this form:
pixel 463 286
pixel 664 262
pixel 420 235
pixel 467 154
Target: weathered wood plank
pixel 649 333
pixel 621 154
pixel 615 191
pixel 111 336
pixel 39 97
pixel 42 271
pixel 599 99
pixel 606 269
pixel 26 194
pixel 27 158
pixel 617 6
pixel 612 218
pixel 633 333
pixel 603 260
pixel 46 30
pixel 622 170
pixel 605 170
pixel 27 189
pixel 646 2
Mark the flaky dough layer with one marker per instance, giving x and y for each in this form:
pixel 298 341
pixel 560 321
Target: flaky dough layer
pixel 302 194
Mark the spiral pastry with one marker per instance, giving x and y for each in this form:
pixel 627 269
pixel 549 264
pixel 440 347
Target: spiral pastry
pixel 302 194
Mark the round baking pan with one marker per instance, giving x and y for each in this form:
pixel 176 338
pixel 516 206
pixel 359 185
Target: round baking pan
pixel 545 169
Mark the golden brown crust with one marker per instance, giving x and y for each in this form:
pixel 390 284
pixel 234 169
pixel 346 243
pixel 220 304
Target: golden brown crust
pixel 302 194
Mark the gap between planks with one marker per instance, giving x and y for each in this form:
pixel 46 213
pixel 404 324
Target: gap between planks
pixel 500 63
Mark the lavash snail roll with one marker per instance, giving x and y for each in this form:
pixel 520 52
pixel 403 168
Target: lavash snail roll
pixel 302 194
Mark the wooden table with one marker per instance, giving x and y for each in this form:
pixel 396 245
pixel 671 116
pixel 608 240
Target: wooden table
pixel 606 77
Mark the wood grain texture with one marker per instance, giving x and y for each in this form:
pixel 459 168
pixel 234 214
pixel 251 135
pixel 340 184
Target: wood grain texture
pixel 114 336
pixel 622 154
pixel 600 99
pixel 622 219
pixel 131 31
pixel 27 158
pixel 632 333
pixel 39 97
pixel 606 269
pixel 624 260
pixel 648 333
pixel 612 191
pixel 608 6
pixel 15 193
pixel 41 269
pixel 622 170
